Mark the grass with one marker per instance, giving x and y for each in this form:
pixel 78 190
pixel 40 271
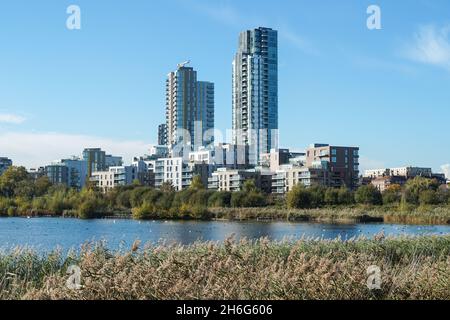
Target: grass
pixel 412 268
pixel 420 215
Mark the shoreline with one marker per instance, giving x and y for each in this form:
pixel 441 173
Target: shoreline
pixel 433 216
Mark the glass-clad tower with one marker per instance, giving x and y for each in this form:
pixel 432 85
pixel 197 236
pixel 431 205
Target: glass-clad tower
pixel 255 92
pixel 189 109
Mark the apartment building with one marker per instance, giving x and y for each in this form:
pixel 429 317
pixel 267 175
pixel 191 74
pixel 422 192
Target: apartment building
pixel 114 177
pixel 342 163
pixel 288 176
pixel 232 180
pixel 255 92
pixel 407 172
pixel 179 173
pixel 72 172
pixel 189 109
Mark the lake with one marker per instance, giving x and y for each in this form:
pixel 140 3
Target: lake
pixel 45 234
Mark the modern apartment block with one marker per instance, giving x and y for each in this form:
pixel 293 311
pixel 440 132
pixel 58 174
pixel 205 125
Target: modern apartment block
pixel 406 172
pixel 288 176
pixel 114 177
pixel 189 109
pixel 178 173
pixel 231 180
pixel 96 160
pixel 5 163
pixel 255 92
pixel 342 163
pixel 70 172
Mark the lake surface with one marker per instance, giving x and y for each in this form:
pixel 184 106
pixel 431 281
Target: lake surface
pixel 45 234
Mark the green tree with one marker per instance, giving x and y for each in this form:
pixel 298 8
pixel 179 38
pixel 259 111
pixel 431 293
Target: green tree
pixel 197 183
pixel 414 187
pixel 11 179
pixel 298 198
pixel 42 185
pixel 346 196
pixel 331 196
pixel 368 194
pixel 393 194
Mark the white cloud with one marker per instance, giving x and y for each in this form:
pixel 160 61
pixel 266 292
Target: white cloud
pixel 9 118
pixel 38 149
pixel 431 46
pixel 446 169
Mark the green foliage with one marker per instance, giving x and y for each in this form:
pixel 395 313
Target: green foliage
pixel 12 181
pixel 368 195
pixel 393 194
pixel 221 199
pixel 299 198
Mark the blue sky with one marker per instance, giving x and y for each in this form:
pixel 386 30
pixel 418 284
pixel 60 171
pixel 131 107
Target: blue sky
pixel 387 91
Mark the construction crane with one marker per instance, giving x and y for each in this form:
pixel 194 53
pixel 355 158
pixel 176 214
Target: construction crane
pixel 181 65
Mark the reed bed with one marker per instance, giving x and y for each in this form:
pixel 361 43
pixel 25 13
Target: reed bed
pixel 411 268
pixel 420 215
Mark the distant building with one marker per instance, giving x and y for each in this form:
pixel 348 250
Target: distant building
pixel 384 182
pixel 406 172
pixel 160 151
pixel 5 163
pixel 288 176
pixel 113 161
pixel 342 163
pixel 179 173
pixel 233 180
pixel 189 109
pixel 70 172
pixel 231 156
pixel 114 177
pixel 96 160
pixel 36 173
pixel 279 157
pixel 255 92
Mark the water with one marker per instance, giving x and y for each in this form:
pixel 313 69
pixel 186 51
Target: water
pixel 45 234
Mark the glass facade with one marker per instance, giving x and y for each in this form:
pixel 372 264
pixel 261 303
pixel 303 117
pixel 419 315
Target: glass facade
pixel 255 92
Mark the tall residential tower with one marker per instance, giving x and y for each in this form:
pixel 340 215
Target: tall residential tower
pixel 189 109
pixel 255 92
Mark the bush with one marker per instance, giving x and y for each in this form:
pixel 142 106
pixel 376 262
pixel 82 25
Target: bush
pixel 145 211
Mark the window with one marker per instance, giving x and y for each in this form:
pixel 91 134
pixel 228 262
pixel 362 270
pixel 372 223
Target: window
pixel 333 152
pixel 334 159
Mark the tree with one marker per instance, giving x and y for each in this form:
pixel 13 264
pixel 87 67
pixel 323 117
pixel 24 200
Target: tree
pixel 197 183
pixel 42 185
pixel 393 194
pixel 368 194
pixel 331 196
pixel 414 187
pixel 11 179
pixel 346 196
pixel 298 198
